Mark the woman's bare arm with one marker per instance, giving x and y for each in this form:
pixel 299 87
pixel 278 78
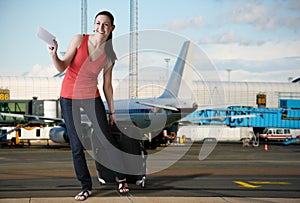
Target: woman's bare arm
pixel 62 64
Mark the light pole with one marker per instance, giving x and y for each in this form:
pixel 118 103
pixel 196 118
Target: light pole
pixel 167 60
pixel 229 88
pixel 228 70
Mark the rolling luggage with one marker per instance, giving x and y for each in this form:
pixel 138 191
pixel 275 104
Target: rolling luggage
pixel 127 140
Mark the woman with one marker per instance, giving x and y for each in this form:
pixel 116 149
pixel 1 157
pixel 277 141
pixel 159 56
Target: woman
pixel 86 57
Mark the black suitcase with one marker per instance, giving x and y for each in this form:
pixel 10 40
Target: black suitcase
pixel 128 140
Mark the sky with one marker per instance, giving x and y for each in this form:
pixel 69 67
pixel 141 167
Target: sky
pixel 258 40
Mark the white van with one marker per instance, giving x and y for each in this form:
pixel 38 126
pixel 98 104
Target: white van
pixel 276 134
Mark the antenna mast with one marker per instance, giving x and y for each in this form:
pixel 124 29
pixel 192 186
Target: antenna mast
pixel 133 50
pixel 83 17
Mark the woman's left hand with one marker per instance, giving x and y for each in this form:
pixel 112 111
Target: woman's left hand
pixel 111 119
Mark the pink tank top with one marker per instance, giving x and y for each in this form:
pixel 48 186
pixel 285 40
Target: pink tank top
pixel 81 78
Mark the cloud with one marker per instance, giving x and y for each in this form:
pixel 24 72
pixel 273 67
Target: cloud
pixel 194 22
pixel 225 38
pixel 267 18
pixel 229 38
pixel 291 22
pixel 267 51
pixel 240 75
pixel 39 71
pixel 275 70
pixel 294 5
pixel 258 16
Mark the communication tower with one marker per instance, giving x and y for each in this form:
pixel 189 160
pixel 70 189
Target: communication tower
pixel 133 50
pixel 83 17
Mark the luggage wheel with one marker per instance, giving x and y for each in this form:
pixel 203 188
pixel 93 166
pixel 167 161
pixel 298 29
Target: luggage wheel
pixel 141 182
pixel 101 181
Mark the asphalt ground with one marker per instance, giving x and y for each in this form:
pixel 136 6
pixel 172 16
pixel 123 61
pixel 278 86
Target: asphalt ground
pixel 230 173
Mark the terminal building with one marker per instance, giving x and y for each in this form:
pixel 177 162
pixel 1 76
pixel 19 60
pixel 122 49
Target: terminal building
pixel 204 93
pixel 209 94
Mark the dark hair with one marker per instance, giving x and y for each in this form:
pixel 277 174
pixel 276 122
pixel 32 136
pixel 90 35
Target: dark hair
pixel 108 45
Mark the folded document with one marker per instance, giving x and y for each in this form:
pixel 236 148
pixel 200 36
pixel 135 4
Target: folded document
pixel 45 36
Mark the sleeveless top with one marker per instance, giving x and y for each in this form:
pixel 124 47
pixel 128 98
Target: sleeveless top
pixel 81 78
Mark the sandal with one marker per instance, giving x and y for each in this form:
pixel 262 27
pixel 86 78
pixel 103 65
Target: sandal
pixel 123 187
pixel 83 195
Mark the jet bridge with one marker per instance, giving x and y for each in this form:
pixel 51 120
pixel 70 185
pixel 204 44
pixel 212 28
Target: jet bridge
pixel 286 116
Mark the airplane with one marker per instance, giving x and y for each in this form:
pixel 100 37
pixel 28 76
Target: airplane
pixel 148 115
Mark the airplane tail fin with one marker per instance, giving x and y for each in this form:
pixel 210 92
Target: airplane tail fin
pixel 173 85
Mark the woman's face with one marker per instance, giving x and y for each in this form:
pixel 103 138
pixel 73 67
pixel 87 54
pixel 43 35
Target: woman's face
pixel 103 27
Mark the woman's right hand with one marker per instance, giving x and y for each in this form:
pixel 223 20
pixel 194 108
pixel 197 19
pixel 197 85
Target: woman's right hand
pixel 53 50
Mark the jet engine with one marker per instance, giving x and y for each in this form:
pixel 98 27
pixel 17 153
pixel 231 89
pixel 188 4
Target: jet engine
pixel 59 134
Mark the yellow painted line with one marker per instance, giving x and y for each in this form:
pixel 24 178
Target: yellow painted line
pixel 268 183
pixel 247 185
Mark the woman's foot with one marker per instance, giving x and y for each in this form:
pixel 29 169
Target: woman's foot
pixel 123 186
pixel 83 195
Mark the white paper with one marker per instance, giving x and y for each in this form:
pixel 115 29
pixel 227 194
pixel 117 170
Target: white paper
pixel 45 36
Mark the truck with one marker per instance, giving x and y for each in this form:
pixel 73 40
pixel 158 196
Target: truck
pixel 278 134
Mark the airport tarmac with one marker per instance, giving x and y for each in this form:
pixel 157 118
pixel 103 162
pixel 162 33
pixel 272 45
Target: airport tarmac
pixel 231 173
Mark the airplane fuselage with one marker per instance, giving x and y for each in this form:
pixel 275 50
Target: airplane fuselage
pixel 152 118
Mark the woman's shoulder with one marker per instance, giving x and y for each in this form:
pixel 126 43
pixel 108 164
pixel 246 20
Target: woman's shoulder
pixel 77 39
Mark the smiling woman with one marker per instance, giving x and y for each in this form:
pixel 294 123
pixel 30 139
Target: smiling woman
pixel 87 56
